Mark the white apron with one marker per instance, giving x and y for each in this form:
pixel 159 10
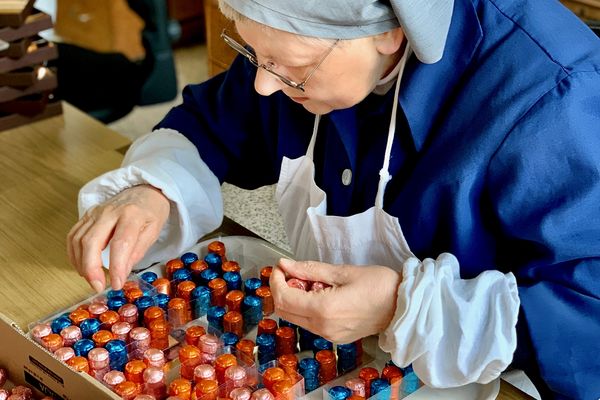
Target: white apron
pixel 372 237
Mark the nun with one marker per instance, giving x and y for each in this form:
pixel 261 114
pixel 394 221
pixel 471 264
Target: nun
pixel 436 164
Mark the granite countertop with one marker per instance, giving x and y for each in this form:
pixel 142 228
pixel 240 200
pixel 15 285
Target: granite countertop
pixel 256 210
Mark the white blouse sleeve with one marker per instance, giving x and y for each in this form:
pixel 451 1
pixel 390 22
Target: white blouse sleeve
pixel 168 161
pixel 454 331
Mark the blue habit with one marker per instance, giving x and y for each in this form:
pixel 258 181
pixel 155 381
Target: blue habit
pixel 496 160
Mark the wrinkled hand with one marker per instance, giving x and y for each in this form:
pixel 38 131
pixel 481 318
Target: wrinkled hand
pixel 131 221
pixel 360 302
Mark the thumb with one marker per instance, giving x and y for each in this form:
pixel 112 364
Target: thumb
pixel 314 271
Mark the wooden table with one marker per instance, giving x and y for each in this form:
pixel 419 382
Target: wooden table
pixel 42 168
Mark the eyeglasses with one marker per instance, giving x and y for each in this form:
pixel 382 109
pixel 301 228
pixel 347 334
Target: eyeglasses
pixel 269 65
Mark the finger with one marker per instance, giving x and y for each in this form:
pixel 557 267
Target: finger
pixel 314 271
pixel 302 321
pixel 147 237
pixel 71 244
pixel 91 257
pixel 289 300
pixel 92 243
pixel 122 244
pixel 77 244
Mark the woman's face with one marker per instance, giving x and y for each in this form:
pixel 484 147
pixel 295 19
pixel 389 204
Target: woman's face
pixel 346 76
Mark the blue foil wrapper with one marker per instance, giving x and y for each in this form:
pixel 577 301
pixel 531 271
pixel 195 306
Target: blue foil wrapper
pixel 83 346
pixel 114 303
pixel 60 323
pixel 117 352
pixel 180 275
pixel 213 261
pixel 410 383
pixel 215 317
pixel 229 339
pixel 162 300
pixel 89 326
pixel 252 311
pixel 346 354
pixel 266 348
pixel 200 301
pixel 306 339
pixel 321 344
pixel 207 275
pixel 250 286
pixel 188 258
pixel 149 277
pixel 115 293
pixel 379 385
pixel 143 303
pixel 339 392
pixel 233 279
pixel 309 369
pixel 283 322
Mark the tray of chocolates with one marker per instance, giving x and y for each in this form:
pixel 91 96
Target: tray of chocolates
pixel 202 326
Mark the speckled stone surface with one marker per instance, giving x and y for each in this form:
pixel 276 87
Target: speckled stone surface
pixel 257 211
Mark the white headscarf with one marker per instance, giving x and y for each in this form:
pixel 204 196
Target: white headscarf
pixel 425 22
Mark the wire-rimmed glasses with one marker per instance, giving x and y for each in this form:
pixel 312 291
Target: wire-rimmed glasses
pixel 269 65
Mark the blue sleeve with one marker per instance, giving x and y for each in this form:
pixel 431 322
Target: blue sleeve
pixel 546 177
pixel 233 128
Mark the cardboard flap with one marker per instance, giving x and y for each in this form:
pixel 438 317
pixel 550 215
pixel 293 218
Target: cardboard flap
pixel 31 365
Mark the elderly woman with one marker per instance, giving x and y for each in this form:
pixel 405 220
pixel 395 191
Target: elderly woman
pixel 466 131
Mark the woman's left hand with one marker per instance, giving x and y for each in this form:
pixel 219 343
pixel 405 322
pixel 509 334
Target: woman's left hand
pixel 360 302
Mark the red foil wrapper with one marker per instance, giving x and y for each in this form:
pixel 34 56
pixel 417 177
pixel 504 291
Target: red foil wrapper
pixel 285 341
pixel 190 357
pixel 223 362
pixel 3 376
pixel 266 325
pixel 272 375
pixel 358 386
pixel 217 247
pixel 265 274
pixel 39 331
pixel 163 286
pixel 155 383
pixel 204 371
pixel 262 394
pixel 242 393
pixel 154 358
pixel 172 266
pixel 299 284
pixel 64 354
pixel 234 322
pixel 134 371
pixel 193 334
pixel 181 388
pixel 113 378
pixel 268 305
pixel 233 300
pixel 218 291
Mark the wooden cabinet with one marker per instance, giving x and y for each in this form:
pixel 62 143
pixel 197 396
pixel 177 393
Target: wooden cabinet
pixel 190 16
pixel 220 55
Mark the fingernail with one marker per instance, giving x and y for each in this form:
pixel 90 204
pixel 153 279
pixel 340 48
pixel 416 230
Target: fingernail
pixel 116 283
pixel 97 286
pixel 285 262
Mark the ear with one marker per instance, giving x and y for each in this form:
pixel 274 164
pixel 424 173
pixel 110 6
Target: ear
pixel 389 42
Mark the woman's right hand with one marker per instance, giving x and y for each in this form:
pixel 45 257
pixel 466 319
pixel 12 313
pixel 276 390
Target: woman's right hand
pixel 131 221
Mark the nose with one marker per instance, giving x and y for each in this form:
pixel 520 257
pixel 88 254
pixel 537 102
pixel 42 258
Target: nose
pixel 266 83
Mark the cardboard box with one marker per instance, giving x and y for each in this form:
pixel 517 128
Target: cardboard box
pixel 30 364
